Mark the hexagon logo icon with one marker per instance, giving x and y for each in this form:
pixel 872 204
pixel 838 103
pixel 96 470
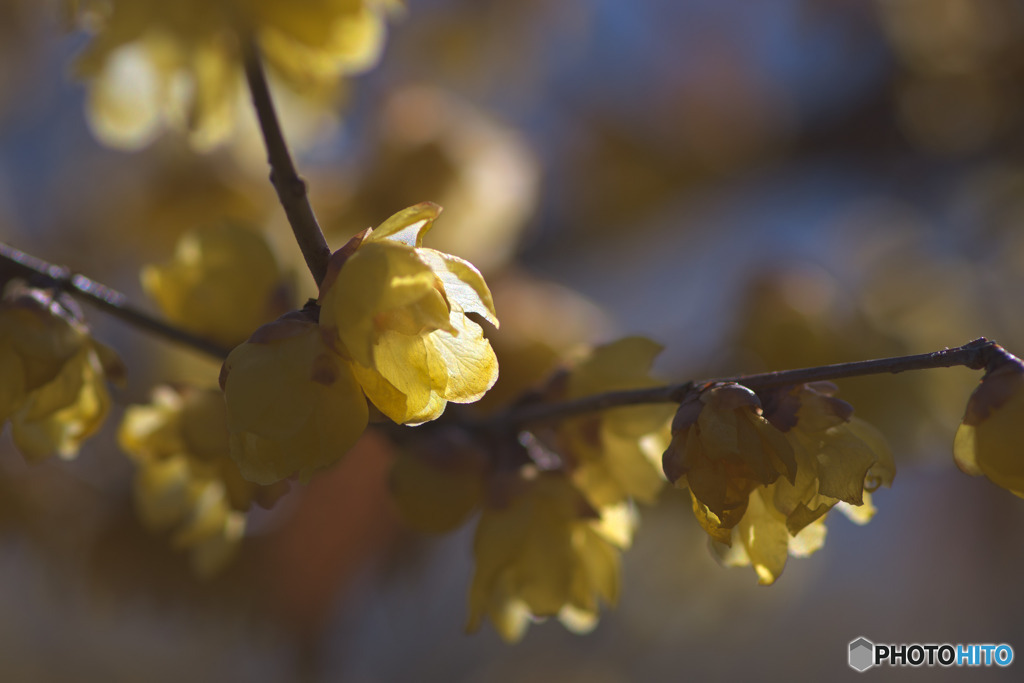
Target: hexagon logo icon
pixel 862 654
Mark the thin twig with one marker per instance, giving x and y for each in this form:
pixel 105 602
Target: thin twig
pixel 976 355
pixel 291 189
pixel 16 263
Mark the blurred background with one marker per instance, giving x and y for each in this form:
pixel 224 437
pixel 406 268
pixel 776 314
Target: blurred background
pixel 755 186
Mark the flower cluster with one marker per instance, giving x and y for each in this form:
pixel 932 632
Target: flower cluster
pixel 185 480
pixel 542 551
pixel 176 64
pixel 393 327
pixel 54 374
pixel 762 479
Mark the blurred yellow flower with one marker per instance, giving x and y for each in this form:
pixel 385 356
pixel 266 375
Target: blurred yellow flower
pixel 177 64
pixel 293 404
pixel 545 552
pixel 222 283
pixel 401 313
pixel 616 454
pixel 988 441
pixel 53 389
pixel 186 481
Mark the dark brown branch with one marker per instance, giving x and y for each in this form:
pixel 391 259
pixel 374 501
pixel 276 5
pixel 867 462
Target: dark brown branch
pixel 976 355
pixel 291 189
pixel 16 263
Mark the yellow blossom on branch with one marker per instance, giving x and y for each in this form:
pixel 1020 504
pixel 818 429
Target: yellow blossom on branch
pixel 401 313
pixel 762 480
pixel 542 551
pixel 394 328
pixel 54 374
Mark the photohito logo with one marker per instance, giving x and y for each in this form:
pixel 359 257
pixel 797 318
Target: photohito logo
pixel 864 654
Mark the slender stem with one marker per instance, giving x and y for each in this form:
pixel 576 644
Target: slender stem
pixel 976 355
pixel 16 263
pixel 291 189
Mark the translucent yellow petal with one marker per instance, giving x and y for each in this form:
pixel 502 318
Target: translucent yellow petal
pixel 403 361
pixel 618 523
pixel 858 514
pixel 711 523
pixel 844 460
pixel 883 471
pixel 763 533
pixel 464 359
pixel 809 540
pixel 383 394
pixel 408 226
pixel 377 284
pixel 464 286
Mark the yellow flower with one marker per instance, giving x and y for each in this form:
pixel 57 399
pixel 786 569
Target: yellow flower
pixel 722 449
pixel 401 313
pixel 393 325
pixel 222 284
pixel 545 553
pixel 839 456
pixel 988 441
pixel 293 404
pixel 186 481
pixel 53 390
pixel 156 64
pixel 837 460
pixel 616 454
